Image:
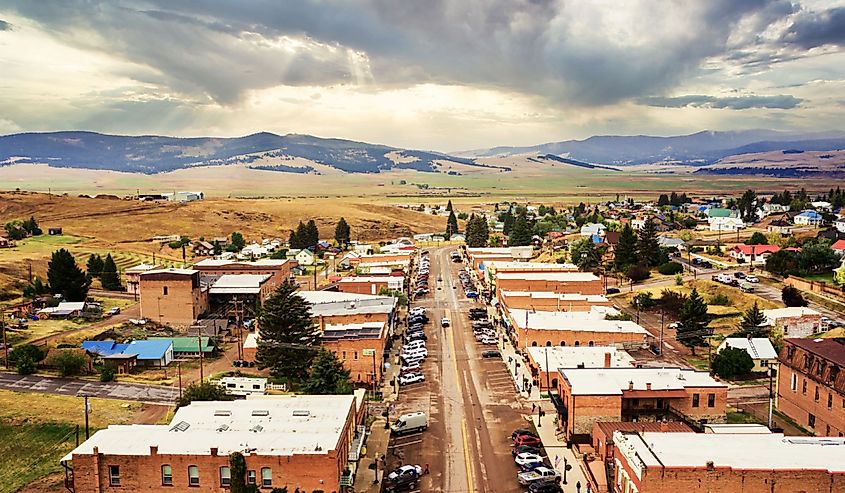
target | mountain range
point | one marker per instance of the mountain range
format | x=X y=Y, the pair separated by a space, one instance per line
x=295 y=153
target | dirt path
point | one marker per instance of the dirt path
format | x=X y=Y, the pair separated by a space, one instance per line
x=133 y=311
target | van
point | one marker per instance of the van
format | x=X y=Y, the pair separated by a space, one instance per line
x=410 y=423
x=415 y=344
x=420 y=352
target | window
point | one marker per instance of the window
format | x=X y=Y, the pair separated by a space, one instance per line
x=164 y=291
x=266 y=477
x=193 y=476
x=711 y=400
x=534 y=343
x=577 y=343
x=166 y=475
x=548 y=343
x=816 y=396
x=563 y=343
x=804 y=387
x=794 y=384
x=355 y=355
x=344 y=355
x=829 y=400
x=590 y=344
x=827 y=430
x=695 y=398
x=811 y=420
x=764 y=363
x=250 y=477
x=114 y=475
x=225 y=476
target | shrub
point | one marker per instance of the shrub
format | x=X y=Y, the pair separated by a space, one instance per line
x=644 y=300
x=792 y=297
x=720 y=300
x=106 y=374
x=670 y=268
x=671 y=301
x=732 y=362
x=679 y=280
x=69 y=363
x=637 y=273
x=25 y=365
x=28 y=352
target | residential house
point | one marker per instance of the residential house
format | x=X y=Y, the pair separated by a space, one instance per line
x=591 y=229
x=253 y=251
x=759 y=348
x=797 y=321
x=65 y=309
x=781 y=226
x=753 y=254
x=302 y=257
x=839 y=247
x=719 y=223
x=203 y=248
x=840 y=225
x=190 y=347
x=154 y=353
x=808 y=218
x=811 y=384
x=671 y=243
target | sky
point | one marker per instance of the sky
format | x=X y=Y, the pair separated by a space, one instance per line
x=445 y=75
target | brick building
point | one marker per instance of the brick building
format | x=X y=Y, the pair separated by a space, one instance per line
x=132 y=277
x=544 y=362
x=479 y=255
x=551 y=302
x=304 y=442
x=795 y=321
x=603 y=431
x=811 y=384
x=588 y=395
x=279 y=270
x=370 y=284
x=174 y=296
x=555 y=282
x=361 y=348
x=735 y=463
x=487 y=269
x=572 y=329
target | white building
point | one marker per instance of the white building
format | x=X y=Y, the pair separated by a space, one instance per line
x=725 y=223
x=840 y=225
x=808 y=218
x=759 y=348
x=797 y=321
x=591 y=229
x=244 y=385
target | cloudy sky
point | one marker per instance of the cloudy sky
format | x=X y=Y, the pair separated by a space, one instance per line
x=434 y=74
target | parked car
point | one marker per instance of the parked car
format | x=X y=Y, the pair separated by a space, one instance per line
x=444 y=322
x=525 y=449
x=544 y=474
x=489 y=340
x=524 y=458
x=612 y=291
x=403 y=478
x=113 y=311
x=409 y=378
x=739 y=275
x=752 y=278
x=410 y=423
x=522 y=431
x=531 y=466
x=527 y=440
x=544 y=487
x=491 y=354
x=414 y=367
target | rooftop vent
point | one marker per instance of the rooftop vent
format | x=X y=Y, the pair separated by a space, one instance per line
x=222 y=412
x=261 y=412
x=301 y=412
x=222 y=428
x=256 y=428
x=180 y=426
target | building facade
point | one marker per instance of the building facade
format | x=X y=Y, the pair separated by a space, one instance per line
x=173 y=296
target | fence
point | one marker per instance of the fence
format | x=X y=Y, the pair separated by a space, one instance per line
x=821 y=288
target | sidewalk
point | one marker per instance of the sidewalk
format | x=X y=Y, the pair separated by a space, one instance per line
x=376 y=447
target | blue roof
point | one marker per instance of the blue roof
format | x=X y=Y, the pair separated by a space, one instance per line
x=149 y=349
x=104 y=348
x=811 y=214
x=596 y=238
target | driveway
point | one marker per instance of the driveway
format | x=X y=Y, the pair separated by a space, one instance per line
x=153 y=394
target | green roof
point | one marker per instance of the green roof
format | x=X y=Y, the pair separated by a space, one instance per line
x=188 y=344
x=719 y=212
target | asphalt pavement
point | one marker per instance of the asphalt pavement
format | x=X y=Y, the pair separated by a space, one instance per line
x=153 y=394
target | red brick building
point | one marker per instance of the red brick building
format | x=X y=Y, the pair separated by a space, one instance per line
x=545 y=362
x=370 y=284
x=173 y=296
x=729 y=463
x=572 y=329
x=811 y=384
x=555 y=282
x=303 y=442
x=551 y=302
x=279 y=270
x=603 y=431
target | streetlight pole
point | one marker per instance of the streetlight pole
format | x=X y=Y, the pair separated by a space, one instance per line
x=771 y=395
x=87 y=411
x=660 y=348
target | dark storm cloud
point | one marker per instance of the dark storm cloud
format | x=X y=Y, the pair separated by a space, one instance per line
x=5 y=26
x=557 y=50
x=781 y=101
x=814 y=29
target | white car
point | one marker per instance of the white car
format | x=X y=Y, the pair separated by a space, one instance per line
x=527 y=458
x=411 y=346
x=752 y=278
x=444 y=322
x=405 y=470
x=415 y=353
x=489 y=340
x=411 y=367
x=419 y=310
x=410 y=378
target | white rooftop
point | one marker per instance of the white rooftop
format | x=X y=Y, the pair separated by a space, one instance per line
x=328 y=303
x=612 y=381
x=789 y=312
x=739 y=428
x=549 y=276
x=369 y=279
x=277 y=425
x=171 y=270
x=218 y=262
x=506 y=266
x=738 y=451
x=756 y=347
x=140 y=268
x=238 y=284
x=573 y=356
x=592 y=321
x=591 y=298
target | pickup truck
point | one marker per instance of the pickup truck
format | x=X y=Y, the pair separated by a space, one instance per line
x=539 y=474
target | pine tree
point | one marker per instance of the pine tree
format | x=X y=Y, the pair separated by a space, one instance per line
x=110 y=279
x=342 y=233
x=31 y=226
x=663 y=200
x=520 y=234
x=507 y=222
x=449 y=205
x=625 y=252
x=694 y=322
x=312 y=234
x=289 y=339
x=299 y=237
x=238 y=241
x=94 y=265
x=66 y=278
x=751 y=322
x=327 y=375
x=451 y=225
x=648 y=248
x=584 y=254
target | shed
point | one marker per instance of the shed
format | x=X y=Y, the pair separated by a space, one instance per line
x=152 y=352
x=189 y=346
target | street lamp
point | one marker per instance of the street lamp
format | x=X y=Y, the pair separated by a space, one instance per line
x=771 y=373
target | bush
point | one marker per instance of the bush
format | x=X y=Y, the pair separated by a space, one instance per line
x=644 y=300
x=732 y=362
x=637 y=273
x=25 y=365
x=203 y=391
x=69 y=363
x=670 y=268
x=28 y=352
x=792 y=297
x=671 y=301
x=106 y=374
x=679 y=280
x=720 y=300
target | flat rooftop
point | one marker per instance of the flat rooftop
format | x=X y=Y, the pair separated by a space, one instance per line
x=279 y=426
x=328 y=303
x=573 y=356
x=587 y=321
x=499 y=265
x=565 y=297
x=265 y=262
x=789 y=312
x=613 y=381
x=238 y=284
x=370 y=279
x=366 y=330
x=737 y=451
x=549 y=276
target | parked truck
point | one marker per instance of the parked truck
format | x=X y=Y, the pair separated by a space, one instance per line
x=410 y=423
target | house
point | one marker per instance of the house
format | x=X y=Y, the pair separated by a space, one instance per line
x=189 y=347
x=735 y=462
x=591 y=229
x=638 y=223
x=65 y=309
x=56 y=231
x=671 y=243
x=822 y=205
x=795 y=321
x=305 y=257
x=840 y=225
x=808 y=218
x=781 y=226
x=6 y=242
x=183 y=196
x=104 y=348
x=720 y=223
x=457 y=237
x=254 y=250
x=839 y=247
x=203 y=249
x=311 y=441
x=403 y=244
x=155 y=353
x=811 y=384
x=132 y=277
x=759 y=348
x=753 y=254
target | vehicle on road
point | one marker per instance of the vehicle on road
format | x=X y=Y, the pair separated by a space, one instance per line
x=403 y=478
x=752 y=278
x=522 y=431
x=114 y=311
x=612 y=291
x=415 y=353
x=471 y=294
x=444 y=322
x=409 y=378
x=527 y=440
x=410 y=423
x=675 y=325
x=492 y=353
x=531 y=466
x=525 y=449
x=489 y=340
x=543 y=473
x=411 y=368
x=409 y=346
x=544 y=487
x=739 y=275
x=746 y=287
x=525 y=458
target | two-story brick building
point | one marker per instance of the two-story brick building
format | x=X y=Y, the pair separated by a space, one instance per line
x=544 y=363
x=551 y=302
x=794 y=321
x=811 y=384
x=590 y=328
x=279 y=270
x=173 y=296
x=555 y=282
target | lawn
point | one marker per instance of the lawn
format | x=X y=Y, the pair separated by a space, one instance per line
x=43 y=328
x=826 y=277
x=737 y=417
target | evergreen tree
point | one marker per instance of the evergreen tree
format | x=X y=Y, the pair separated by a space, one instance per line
x=238 y=241
x=312 y=234
x=751 y=322
x=327 y=375
x=791 y=296
x=66 y=278
x=289 y=339
x=663 y=200
x=31 y=226
x=747 y=205
x=110 y=279
x=694 y=322
x=477 y=232
x=507 y=222
x=648 y=248
x=237 y=473
x=584 y=254
x=299 y=237
x=94 y=265
x=342 y=233
x=625 y=253
x=757 y=238
x=449 y=205
x=451 y=225
x=520 y=234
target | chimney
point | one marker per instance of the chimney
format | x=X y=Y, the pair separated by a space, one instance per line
x=214 y=451
x=664 y=427
x=630 y=385
x=710 y=465
x=607 y=360
x=749 y=337
x=648 y=386
x=153 y=449
x=95 y=451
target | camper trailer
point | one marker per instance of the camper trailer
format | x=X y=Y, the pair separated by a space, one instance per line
x=244 y=386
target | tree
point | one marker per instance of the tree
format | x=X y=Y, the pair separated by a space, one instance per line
x=312 y=235
x=203 y=391
x=237 y=473
x=782 y=263
x=584 y=254
x=237 y=241
x=648 y=249
x=327 y=375
x=838 y=275
x=507 y=219
x=110 y=278
x=520 y=234
x=670 y=268
x=694 y=322
x=66 y=278
x=449 y=206
x=663 y=200
x=15 y=230
x=451 y=225
x=625 y=252
x=342 y=233
x=299 y=237
x=757 y=238
x=747 y=206
x=637 y=272
x=732 y=362
x=24 y=355
x=817 y=257
x=288 y=336
x=401 y=297
x=68 y=362
x=751 y=322
x=94 y=265
x=791 y=296
x=477 y=232
x=31 y=226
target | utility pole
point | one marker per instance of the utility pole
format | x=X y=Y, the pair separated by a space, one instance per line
x=179 y=370
x=660 y=348
x=771 y=394
x=87 y=411
x=199 y=346
x=5 y=345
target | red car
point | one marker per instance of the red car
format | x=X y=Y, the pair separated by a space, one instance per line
x=529 y=440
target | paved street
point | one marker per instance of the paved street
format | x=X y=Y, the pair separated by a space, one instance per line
x=107 y=390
